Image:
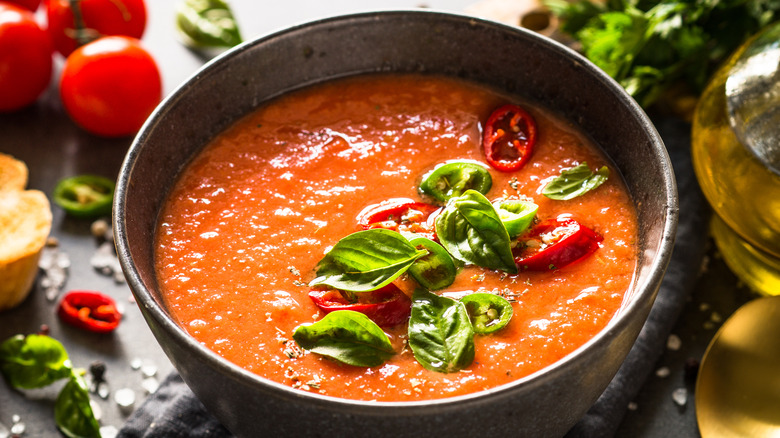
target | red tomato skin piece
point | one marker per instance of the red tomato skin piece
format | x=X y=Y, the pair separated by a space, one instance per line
x=103 y=17
x=578 y=243
x=25 y=58
x=494 y=137
x=387 y=306
x=110 y=86
x=30 y=5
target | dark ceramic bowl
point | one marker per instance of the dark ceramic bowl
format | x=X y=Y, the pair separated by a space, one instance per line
x=518 y=62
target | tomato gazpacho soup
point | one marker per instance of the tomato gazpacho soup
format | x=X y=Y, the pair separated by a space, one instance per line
x=396 y=238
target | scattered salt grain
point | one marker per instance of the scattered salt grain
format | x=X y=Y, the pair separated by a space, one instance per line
x=703 y=307
x=150 y=385
x=149 y=370
x=663 y=372
x=96 y=411
x=125 y=399
x=632 y=406
x=716 y=318
x=103 y=390
x=708 y=325
x=136 y=363
x=680 y=396
x=18 y=428
x=16 y=419
x=673 y=342
x=54 y=265
x=108 y=432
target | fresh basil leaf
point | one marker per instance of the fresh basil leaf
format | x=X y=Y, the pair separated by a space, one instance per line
x=207 y=23
x=470 y=229
x=33 y=361
x=440 y=333
x=516 y=215
x=347 y=336
x=435 y=270
x=575 y=182
x=488 y=312
x=452 y=179
x=72 y=411
x=366 y=260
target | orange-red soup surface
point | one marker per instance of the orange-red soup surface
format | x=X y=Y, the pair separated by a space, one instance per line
x=252 y=214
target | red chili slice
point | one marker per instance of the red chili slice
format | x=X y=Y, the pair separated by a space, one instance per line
x=400 y=214
x=555 y=243
x=387 y=306
x=88 y=310
x=509 y=138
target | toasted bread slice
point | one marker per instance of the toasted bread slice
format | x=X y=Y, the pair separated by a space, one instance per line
x=25 y=222
x=13 y=173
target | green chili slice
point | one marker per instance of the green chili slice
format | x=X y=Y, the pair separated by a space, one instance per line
x=516 y=215
x=207 y=23
x=453 y=179
x=85 y=196
x=433 y=271
x=488 y=312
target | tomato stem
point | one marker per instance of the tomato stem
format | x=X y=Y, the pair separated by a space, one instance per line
x=81 y=34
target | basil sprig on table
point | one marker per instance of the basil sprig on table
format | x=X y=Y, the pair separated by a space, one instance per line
x=36 y=361
x=440 y=333
x=366 y=260
x=207 y=23
x=346 y=336
x=471 y=230
x=575 y=182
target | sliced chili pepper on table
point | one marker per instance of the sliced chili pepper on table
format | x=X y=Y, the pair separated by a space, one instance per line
x=85 y=196
x=509 y=138
x=89 y=310
x=400 y=214
x=555 y=243
x=387 y=306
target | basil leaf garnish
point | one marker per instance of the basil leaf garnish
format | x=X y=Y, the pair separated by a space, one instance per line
x=207 y=23
x=516 y=215
x=72 y=411
x=347 y=336
x=440 y=333
x=574 y=182
x=33 y=361
x=470 y=229
x=366 y=260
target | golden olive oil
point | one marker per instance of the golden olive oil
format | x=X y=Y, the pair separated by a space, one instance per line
x=744 y=193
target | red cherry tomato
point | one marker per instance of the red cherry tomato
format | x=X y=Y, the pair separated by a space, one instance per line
x=110 y=86
x=387 y=306
x=555 y=243
x=400 y=214
x=101 y=17
x=509 y=138
x=30 y=5
x=25 y=58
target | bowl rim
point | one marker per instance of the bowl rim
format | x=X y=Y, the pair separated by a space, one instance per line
x=645 y=290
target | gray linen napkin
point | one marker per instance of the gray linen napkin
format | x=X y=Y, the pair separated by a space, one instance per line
x=175 y=411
